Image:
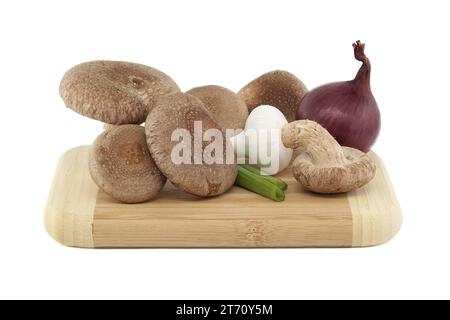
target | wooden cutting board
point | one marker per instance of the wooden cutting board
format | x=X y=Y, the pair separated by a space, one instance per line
x=79 y=215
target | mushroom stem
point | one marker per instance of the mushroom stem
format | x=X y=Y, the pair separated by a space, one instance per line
x=314 y=140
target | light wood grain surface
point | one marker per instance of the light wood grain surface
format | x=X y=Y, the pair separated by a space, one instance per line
x=71 y=201
x=78 y=214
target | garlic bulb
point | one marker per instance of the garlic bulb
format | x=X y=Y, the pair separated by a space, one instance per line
x=260 y=143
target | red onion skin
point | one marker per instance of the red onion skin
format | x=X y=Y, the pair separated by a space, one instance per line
x=346 y=109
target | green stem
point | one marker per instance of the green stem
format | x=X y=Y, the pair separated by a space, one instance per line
x=256 y=183
x=278 y=182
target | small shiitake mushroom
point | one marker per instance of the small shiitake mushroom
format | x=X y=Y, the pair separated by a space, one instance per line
x=114 y=92
x=279 y=89
x=324 y=166
x=180 y=111
x=120 y=164
x=226 y=107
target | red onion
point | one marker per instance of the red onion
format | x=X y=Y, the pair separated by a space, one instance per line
x=346 y=109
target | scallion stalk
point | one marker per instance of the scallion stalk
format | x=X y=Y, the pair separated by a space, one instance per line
x=258 y=184
x=278 y=182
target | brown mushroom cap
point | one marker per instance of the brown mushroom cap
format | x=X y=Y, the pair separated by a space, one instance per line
x=357 y=171
x=324 y=166
x=120 y=164
x=226 y=107
x=114 y=92
x=279 y=89
x=180 y=111
x=108 y=126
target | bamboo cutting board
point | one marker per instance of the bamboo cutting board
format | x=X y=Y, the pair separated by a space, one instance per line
x=79 y=215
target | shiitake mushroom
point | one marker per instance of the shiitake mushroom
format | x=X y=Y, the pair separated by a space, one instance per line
x=225 y=106
x=121 y=165
x=114 y=92
x=180 y=111
x=279 y=89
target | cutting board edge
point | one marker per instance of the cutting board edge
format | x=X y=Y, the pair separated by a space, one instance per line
x=66 y=219
x=373 y=226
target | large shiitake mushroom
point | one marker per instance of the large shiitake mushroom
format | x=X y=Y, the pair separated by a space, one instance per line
x=226 y=107
x=180 y=111
x=114 y=92
x=279 y=89
x=120 y=164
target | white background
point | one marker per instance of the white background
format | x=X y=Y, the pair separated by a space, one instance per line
x=227 y=43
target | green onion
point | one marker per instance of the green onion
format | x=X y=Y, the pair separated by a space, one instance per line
x=278 y=182
x=258 y=184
